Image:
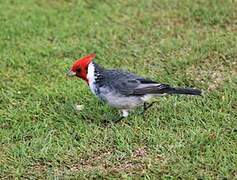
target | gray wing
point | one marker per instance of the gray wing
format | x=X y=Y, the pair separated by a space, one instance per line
x=130 y=84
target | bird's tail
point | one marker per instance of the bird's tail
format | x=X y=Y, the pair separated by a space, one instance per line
x=187 y=91
x=166 y=89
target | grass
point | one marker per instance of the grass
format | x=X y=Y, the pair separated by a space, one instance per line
x=183 y=43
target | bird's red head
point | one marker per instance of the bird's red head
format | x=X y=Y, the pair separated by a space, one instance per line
x=80 y=66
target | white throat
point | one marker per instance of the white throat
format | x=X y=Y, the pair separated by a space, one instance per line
x=91 y=76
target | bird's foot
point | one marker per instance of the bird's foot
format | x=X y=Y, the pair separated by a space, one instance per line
x=118 y=119
x=125 y=113
x=146 y=106
x=107 y=122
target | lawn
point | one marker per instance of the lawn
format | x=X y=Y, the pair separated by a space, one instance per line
x=179 y=42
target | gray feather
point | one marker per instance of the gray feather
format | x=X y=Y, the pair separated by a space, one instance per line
x=128 y=84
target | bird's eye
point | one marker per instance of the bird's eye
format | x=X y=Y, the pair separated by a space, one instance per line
x=78 y=70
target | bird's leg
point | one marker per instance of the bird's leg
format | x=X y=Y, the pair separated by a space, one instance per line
x=124 y=115
x=118 y=119
x=146 y=106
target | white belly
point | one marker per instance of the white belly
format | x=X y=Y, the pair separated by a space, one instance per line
x=123 y=102
x=118 y=100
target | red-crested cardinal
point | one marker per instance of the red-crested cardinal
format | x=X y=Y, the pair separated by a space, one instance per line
x=120 y=89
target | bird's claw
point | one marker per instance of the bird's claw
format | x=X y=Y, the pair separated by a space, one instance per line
x=108 y=123
x=146 y=107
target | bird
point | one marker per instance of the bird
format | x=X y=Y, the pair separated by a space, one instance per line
x=121 y=89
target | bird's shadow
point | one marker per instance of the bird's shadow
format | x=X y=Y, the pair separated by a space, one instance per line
x=100 y=114
x=93 y=113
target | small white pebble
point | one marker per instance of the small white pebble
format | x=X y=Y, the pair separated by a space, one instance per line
x=79 y=107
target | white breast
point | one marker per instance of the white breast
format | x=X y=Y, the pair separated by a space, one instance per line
x=91 y=77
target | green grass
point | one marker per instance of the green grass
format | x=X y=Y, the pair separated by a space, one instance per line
x=183 y=43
